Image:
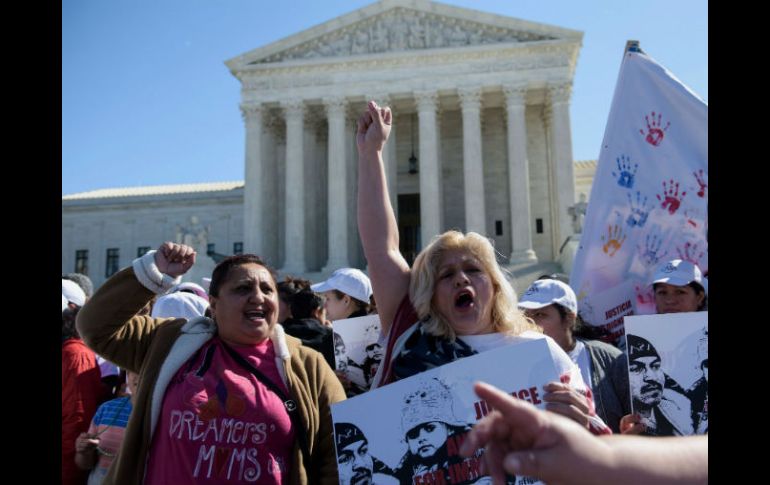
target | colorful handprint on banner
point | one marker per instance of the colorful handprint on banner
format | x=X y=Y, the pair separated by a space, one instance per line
x=654 y=133
x=671 y=198
x=626 y=172
x=639 y=210
x=614 y=239
x=701 y=179
x=691 y=252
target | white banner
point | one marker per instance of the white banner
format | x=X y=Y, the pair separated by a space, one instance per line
x=649 y=200
x=409 y=432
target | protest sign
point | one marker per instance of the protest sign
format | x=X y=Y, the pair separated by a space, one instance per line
x=411 y=430
x=668 y=371
x=357 y=351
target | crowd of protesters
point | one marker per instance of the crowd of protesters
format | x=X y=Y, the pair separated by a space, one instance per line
x=147 y=358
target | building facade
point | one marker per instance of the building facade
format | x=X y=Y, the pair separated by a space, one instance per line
x=480 y=142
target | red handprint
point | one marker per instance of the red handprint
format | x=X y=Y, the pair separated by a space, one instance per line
x=689 y=252
x=654 y=134
x=644 y=295
x=701 y=179
x=672 y=200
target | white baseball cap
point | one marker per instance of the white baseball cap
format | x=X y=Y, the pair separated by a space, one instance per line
x=179 y=305
x=350 y=281
x=190 y=287
x=73 y=292
x=678 y=272
x=547 y=292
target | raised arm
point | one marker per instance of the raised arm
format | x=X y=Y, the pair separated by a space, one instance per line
x=108 y=322
x=388 y=270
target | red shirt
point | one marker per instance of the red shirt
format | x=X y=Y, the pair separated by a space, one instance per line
x=81 y=393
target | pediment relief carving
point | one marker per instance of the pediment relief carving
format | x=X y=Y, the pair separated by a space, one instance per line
x=400 y=30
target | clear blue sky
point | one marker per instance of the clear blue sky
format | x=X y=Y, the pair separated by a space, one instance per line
x=147 y=99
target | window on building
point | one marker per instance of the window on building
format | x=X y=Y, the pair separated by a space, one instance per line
x=113 y=261
x=498 y=228
x=210 y=248
x=539 y=226
x=81 y=261
x=238 y=248
x=141 y=251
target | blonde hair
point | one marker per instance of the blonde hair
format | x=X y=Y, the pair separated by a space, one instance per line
x=506 y=316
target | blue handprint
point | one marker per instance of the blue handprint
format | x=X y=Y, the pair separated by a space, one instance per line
x=626 y=177
x=639 y=211
x=649 y=254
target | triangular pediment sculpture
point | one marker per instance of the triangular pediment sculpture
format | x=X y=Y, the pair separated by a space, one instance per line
x=392 y=26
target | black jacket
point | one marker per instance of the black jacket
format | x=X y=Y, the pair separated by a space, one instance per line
x=312 y=334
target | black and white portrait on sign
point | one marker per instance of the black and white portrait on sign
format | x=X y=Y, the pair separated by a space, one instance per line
x=668 y=372
x=410 y=432
x=357 y=351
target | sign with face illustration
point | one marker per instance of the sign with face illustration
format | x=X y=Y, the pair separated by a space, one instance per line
x=357 y=351
x=410 y=431
x=668 y=372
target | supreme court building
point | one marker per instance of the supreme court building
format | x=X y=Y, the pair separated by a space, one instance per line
x=480 y=142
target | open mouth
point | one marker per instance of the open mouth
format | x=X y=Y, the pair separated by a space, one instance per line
x=256 y=315
x=464 y=299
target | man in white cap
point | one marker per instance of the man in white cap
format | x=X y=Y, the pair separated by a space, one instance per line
x=552 y=305
x=347 y=294
x=679 y=286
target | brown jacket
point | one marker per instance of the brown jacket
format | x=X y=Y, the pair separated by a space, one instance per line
x=157 y=348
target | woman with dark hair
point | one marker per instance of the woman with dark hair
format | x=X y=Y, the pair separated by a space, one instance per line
x=679 y=286
x=229 y=398
x=347 y=294
x=287 y=288
x=553 y=306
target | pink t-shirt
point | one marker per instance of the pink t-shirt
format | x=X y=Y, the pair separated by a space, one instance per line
x=220 y=424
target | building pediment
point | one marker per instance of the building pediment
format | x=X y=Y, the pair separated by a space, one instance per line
x=391 y=26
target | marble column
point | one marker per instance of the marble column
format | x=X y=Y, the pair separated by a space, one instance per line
x=473 y=166
x=430 y=173
x=518 y=176
x=564 y=171
x=337 y=195
x=253 y=210
x=294 y=242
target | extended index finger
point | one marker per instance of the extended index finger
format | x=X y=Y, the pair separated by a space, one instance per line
x=520 y=415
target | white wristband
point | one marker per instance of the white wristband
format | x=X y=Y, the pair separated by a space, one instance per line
x=149 y=275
